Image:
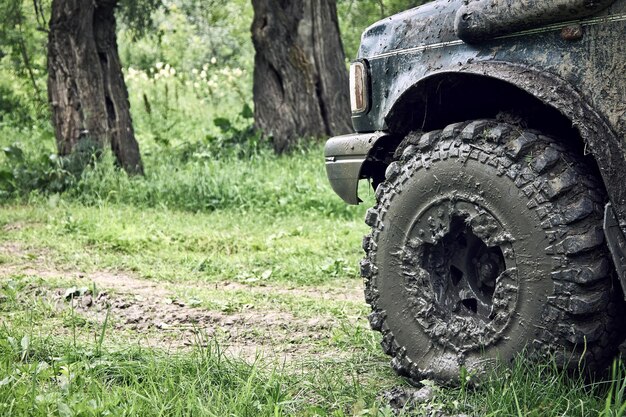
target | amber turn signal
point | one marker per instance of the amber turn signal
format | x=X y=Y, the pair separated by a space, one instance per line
x=358 y=87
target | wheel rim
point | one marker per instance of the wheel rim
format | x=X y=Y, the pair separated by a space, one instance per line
x=461 y=272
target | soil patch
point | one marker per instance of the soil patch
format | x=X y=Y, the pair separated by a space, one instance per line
x=148 y=313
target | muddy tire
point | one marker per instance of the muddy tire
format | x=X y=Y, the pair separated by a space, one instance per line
x=486 y=241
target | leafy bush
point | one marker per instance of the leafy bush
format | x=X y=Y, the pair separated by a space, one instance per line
x=236 y=138
x=24 y=172
x=10 y=105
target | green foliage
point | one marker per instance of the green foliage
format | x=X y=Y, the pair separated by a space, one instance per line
x=11 y=104
x=229 y=167
x=237 y=138
x=22 y=61
x=24 y=172
x=137 y=15
x=175 y=107
x=187 y=34
x=615 y=401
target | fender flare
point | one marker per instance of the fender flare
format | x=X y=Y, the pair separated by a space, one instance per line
x=600 y=140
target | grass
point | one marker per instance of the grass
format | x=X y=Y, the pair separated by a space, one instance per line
x=41 y=374
x=75 y=381
x=252 y=250
x=180 y=246
x=243 y=238
x=97 y=372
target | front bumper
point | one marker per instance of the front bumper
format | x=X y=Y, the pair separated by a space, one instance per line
x=345 y=156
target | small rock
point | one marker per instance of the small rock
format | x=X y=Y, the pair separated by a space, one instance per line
x=397 y=397
x=133 y=319
x=404 y=397
x=423 y=394
x=71 y=293
x=87 y=301
x=314 y=322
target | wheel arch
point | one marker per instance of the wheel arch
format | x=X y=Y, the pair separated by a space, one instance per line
x=536 y=99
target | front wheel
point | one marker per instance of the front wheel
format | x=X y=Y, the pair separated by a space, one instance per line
x=486 y=241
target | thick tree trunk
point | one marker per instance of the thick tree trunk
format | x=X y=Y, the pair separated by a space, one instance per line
x=85 y=84
x=300 y=78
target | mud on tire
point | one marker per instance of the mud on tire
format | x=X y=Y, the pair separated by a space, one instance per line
x=486 y=240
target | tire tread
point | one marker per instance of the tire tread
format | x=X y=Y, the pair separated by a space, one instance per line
x=559 y=190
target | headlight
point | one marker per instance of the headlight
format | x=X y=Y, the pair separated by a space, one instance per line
x=358 y=87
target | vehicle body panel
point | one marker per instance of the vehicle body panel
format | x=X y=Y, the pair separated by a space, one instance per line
x=484 y=19
x=576 y=67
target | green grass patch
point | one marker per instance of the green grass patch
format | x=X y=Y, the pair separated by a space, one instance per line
x=253 y=248
x=44 y=375
x=257 y=235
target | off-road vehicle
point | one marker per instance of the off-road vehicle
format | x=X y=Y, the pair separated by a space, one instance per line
x=493 y=133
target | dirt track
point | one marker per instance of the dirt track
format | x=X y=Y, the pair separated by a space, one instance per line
x=148 y=313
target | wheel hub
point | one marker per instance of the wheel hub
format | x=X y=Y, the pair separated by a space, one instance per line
x=463 y=270
x=462 y=278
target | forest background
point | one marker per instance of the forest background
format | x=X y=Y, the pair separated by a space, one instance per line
x=222 y=281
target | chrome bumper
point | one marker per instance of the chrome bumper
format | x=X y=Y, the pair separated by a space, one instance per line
x=345 y=156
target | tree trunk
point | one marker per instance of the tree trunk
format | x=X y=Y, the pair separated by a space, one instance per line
x=300 y=78
x=85 y=83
